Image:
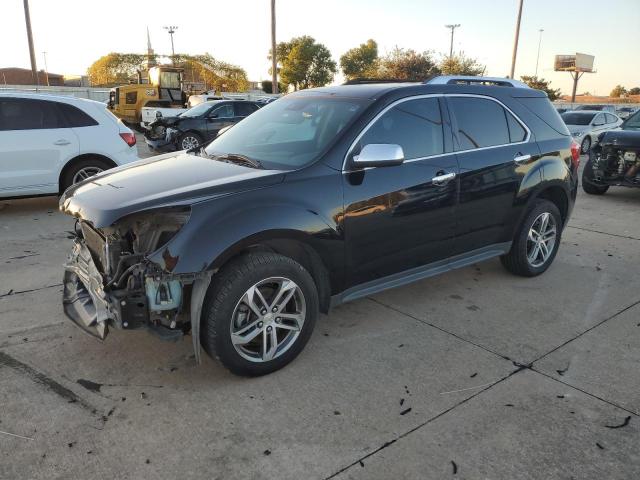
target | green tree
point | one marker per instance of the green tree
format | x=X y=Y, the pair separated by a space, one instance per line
x=116 y=68
x=461 y=65
x=634 y=91
x=618 y=91
x=360 y=62
x=408 y=65
x=304 y=63
x=542 y=84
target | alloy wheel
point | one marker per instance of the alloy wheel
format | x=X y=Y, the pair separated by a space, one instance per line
x=190 y=142
x=268 y=319
x=85 y=173
x=541 y=239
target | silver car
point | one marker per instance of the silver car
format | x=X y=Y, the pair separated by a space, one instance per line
x=586 y=125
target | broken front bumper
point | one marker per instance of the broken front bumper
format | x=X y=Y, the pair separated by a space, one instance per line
x=84 y=300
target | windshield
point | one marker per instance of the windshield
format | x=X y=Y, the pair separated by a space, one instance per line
x=633 y=122
x=198 y=110
x=573 y=118
x=589 y=107
x=290 y=132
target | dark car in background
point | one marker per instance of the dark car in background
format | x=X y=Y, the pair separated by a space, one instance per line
x=198 y=125
x=615 y=160
x=324 y=196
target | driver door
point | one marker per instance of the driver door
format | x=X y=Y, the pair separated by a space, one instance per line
x=401 y=217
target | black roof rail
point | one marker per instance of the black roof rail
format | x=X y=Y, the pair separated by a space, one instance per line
x=365 y=81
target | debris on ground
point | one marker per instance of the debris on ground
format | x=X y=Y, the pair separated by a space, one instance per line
x=404 y=412
x=623 y=424
x=455 y=467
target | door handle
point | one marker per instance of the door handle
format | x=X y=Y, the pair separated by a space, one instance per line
x=443 y=179
x=519 y=159
x=62 y=141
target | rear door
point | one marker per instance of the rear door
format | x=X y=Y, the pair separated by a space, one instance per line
x=495 y=153
x=218 y=118
x=35 y=144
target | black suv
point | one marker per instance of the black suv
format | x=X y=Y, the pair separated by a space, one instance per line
x=198 y=125
x=322 y=197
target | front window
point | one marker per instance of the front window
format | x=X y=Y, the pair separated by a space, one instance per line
x=573 y=118
x=291 y=132
x=633 y=122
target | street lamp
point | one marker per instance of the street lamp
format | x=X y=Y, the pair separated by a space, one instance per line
x=452 y=27
x=539 y=43
x=171 y=29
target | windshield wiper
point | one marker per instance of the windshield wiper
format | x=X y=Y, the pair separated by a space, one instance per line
x=239 y=160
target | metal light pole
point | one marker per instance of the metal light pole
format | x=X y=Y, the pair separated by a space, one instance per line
x=515 y=41
x=274 y=61
x=172 y=29
x=46 y=69
x=452 y=27
x=538 y=57
x=32 y=54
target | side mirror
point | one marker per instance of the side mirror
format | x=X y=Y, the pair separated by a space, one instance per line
x=379 y=155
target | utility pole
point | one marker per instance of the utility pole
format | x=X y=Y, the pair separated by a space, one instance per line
x=274 y=61
x=515 y=41
x=452 y=27
x=576 y=76
x=538 y=57
x=32 y=54
x=46 y=69
x=172 y=29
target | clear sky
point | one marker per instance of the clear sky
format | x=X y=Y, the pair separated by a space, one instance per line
x=74 y=33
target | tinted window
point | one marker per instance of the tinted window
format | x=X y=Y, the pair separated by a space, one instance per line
x=27 y=114
x=541 y=107
x=481 y=123
x=633 y=122
x=575 y=118
x=415 y=125
x=517 y=133
x=75 y=117
x=225 y=111
x=244 y=109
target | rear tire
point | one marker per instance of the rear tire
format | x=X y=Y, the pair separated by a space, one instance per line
x=522 y=259
x=81 y=170
x=238 y=327
x=589 y=184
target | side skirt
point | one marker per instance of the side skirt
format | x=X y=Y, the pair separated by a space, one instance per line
x=420 y=273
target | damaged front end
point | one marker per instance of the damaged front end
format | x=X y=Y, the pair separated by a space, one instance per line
x=616 y=159
x=162 y=135
x=109 y=280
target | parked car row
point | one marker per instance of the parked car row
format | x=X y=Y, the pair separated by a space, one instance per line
x=585 y=125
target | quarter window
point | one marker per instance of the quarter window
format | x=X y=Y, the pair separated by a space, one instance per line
x=415 y=125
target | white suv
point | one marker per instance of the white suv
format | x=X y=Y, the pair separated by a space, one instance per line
x=50 y=142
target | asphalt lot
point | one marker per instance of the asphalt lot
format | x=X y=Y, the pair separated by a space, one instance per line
x=476 y=374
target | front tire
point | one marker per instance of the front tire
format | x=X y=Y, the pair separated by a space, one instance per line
x=189 y=140
x=589 y=184
x=259 y=313
x=537 y=241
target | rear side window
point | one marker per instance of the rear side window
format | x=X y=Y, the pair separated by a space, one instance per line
x=541 y=107
x=76 y=117
x=481 y=122
x=610 y=118
x=415 y=125
x=29 y=114
x=244 y=109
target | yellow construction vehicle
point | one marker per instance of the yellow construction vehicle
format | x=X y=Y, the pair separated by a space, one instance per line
x=162 y=88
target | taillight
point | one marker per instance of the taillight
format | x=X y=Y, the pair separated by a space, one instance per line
x=575 y=155
x=129 y=138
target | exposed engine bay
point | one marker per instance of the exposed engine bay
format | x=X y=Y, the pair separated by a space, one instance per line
x=109 y=280
x=616 y=159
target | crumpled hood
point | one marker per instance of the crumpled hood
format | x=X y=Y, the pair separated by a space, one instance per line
x=170 y=179
x=167 y=121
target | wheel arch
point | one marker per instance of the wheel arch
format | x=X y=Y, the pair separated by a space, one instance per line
x=80 y=158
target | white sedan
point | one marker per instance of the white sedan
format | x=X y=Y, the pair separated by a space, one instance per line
x=586 y=125
x=48 y=143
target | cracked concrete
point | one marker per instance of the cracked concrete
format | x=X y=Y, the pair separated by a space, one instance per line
x=474 y=374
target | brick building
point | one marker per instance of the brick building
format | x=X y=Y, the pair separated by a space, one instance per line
x=22 y=76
